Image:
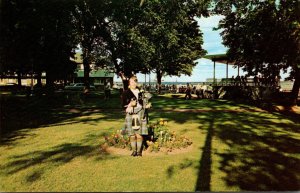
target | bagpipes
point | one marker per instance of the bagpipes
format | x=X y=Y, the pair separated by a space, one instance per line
x=146 y=96
x=140 y=116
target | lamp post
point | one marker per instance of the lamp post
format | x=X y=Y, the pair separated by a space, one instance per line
x=149 y=81
x=31 y=84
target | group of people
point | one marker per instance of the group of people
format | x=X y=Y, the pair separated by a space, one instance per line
x=135 y=104
x=202 y=91
x=257 y=81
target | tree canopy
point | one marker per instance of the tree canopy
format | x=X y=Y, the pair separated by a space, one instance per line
x=262 y=36
x=129 y=36
x=37 y=36
x=146 y=36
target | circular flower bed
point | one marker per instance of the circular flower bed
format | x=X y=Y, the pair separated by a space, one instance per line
x=160 y=139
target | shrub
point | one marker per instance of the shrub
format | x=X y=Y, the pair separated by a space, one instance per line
x=163 y=139
x=117 y=140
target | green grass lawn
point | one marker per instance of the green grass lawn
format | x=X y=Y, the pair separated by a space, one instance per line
x=53 y=144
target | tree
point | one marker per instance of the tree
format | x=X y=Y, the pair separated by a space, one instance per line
x=123 y=49
x=159 y=36
x=58 y=39
x=172 y=32
x=37 y=36
x=262 y=36
x=18 y=40
x=129 y=36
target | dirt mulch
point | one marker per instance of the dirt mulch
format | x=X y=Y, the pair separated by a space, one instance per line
x=162 y=152
x=290 y=109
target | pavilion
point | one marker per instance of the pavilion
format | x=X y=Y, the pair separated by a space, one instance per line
x=221 y=58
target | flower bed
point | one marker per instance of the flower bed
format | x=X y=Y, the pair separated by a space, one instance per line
x=162 y=139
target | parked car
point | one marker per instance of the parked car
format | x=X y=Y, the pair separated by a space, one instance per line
x=78 y=86
x=13 y=87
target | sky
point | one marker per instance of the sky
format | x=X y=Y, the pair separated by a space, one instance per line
x=204 y=68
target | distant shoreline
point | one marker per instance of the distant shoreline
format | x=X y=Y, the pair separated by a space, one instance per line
x=154 y=82
x=285 y=85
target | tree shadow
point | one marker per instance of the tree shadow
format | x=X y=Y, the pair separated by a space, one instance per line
x=184 y=117
x=204 y=175
x=49 y=159
x=262 y=153
x=173 y=169
x=163 y=102
x=258 y=151
x=20 y=114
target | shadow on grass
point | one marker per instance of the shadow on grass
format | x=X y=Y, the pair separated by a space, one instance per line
x=162 y=102
x=257 y=151
x=49 y=159
x=20 y=114
x=204 y=175
x=262 y=154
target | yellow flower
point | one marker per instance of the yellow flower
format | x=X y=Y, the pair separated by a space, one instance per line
x=161 y=123
x=161 y=119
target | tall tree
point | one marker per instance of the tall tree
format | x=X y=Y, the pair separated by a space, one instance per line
x=37 y=36
x=262 y=36
x=90 y=17
x=159 y=36
x=58 y=39
x=175 y=35
x=18 y=37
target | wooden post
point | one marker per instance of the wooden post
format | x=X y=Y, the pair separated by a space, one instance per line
x=149 y=81
x=214 y=72
x=226 y=72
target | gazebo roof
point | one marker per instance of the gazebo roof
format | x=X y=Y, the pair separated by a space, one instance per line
x=220 y=58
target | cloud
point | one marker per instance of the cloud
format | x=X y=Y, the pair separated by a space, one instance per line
x=209 y=22
x=212 y=39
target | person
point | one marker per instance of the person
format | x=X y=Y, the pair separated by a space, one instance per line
x=238 y=80
x=243 y=81
x=255 y=80
x=188 y=91
x=107 y=90
x=135 y=120
x=199 y=91
x=232 y=81
x=260 y=80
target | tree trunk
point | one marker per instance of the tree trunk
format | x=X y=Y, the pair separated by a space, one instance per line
x=19 y=79
x=39 y=79
x=295 y=90
x=86 y=68
x=49 y=83
x=158 y=77
x=49 y=79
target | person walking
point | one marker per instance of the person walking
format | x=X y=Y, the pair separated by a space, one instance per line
x=188 y=91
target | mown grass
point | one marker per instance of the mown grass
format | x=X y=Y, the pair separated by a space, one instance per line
x=55 y=146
